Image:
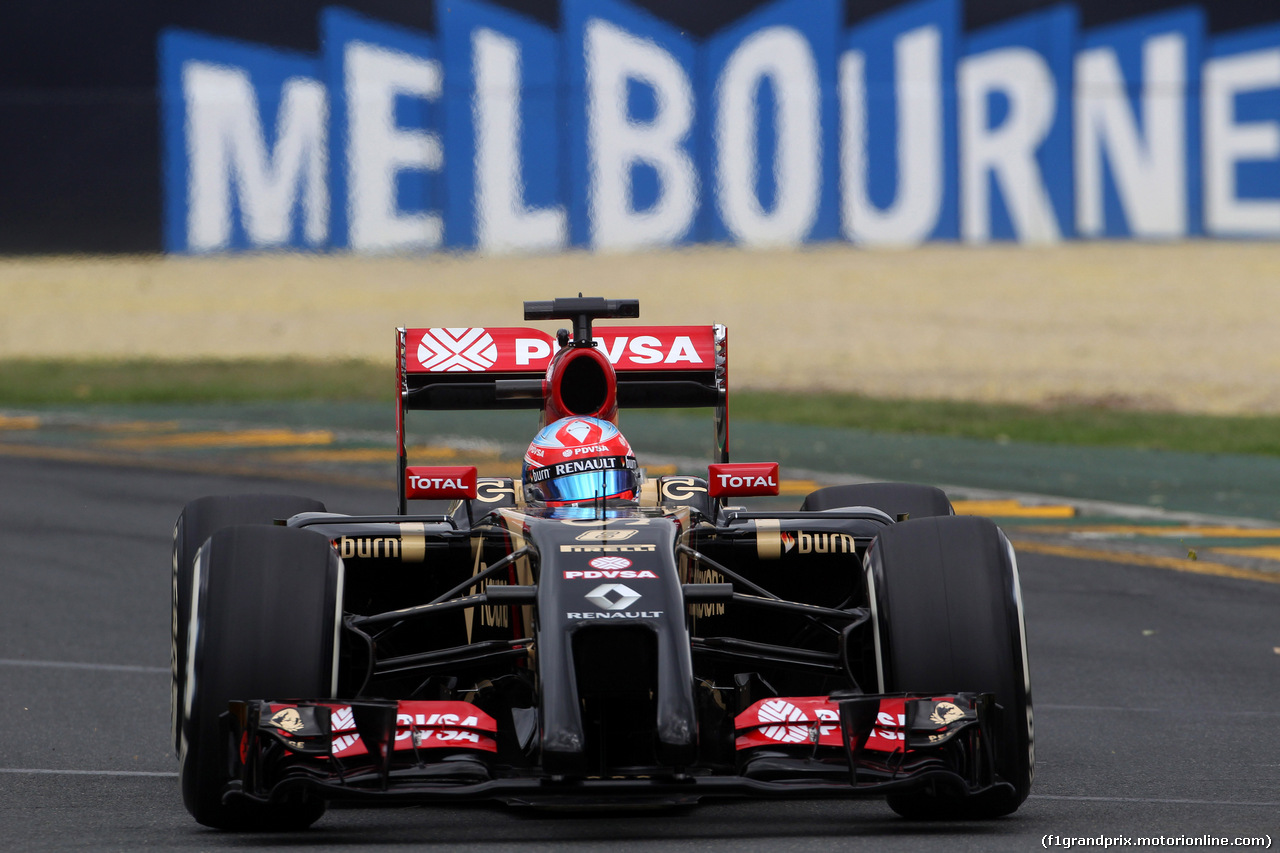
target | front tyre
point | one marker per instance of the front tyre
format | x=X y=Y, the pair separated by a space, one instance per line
x=947 y=612
x=199 y=520
x=267 y=608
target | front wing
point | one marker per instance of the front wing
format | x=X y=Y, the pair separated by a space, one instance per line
x=846 y=744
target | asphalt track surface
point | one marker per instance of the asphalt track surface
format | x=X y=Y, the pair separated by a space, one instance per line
x=1157 y=703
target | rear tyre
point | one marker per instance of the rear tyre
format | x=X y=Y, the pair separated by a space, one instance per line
x=267 y=606
x=199 y=520
x=947 y=614
x=893 y=498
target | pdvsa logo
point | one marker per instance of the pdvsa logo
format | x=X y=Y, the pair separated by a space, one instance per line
x=798 y=721
x=344 y=719
x=791 y=723
x=610 y=563
x=453 y=350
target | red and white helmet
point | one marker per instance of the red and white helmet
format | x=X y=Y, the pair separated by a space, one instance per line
x=578 y=460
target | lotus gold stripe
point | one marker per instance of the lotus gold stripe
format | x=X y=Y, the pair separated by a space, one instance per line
x=768 y=539
x=413 y=541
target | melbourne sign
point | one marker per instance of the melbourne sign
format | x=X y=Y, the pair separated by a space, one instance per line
x=616 y=131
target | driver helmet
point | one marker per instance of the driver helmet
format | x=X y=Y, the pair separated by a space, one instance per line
x=578 y=460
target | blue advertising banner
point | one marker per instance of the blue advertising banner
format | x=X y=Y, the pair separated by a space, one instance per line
x=386 y=155
x=1241 y=155
x=1014 y=89
x=614 y=129
x=1137 y=133
x=769 y=120
x=245 y=145
x=503 y=130
x=630 y=115
x=898 y=132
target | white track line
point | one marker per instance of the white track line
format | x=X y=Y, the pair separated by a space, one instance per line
x=40 y=772
x=1160 y=800
x=1045 y=706
x=105 y=667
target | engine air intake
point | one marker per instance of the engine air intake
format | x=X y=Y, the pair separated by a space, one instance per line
x=582 y=383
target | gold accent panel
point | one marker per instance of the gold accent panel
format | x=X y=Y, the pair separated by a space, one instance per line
x=413 y=541
x=768 y=538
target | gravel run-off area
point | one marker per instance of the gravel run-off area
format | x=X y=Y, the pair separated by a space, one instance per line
x=1190 y=326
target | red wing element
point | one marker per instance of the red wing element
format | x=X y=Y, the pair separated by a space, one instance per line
x=419 y=725
x=519 y=350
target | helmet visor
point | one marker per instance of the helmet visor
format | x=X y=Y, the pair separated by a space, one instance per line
x=587 y=486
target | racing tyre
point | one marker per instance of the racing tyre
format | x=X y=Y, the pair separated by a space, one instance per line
x=199 y=520
x=893 y=498
x=268 y=606
x=947 y=613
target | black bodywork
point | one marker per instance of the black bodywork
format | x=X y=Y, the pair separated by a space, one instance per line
x=593 y=703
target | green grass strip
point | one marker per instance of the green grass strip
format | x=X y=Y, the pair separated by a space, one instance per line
x=50 y=382
x=1098 y=426
x=26 y=382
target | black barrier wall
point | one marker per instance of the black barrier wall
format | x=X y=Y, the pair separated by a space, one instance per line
x=97 y=152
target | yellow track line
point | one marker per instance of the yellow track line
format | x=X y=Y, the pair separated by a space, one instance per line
x=1167 y=531
x=796 y=487
x=136 y=426
x=233 y=438
x=191 y=466
x=1177 y=564
x=1013 y=509
x=417 y=455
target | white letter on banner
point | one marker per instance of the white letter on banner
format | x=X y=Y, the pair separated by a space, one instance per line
x=1150 y=177
x=503 y=223
x=225 y=145
x=378 y=150
x=616 y=143
x=784 y=56
x=1009 y=151
x=529 y=350
x=1227 y=143
x=914 y=212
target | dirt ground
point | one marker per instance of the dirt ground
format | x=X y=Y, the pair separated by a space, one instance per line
x=1192 y=326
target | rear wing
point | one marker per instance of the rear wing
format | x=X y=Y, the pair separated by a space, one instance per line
x=506 y=368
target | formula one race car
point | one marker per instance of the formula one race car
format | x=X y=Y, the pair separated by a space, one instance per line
x=583 y=635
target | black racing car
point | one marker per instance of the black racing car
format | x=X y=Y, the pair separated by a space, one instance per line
x=655 y=647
